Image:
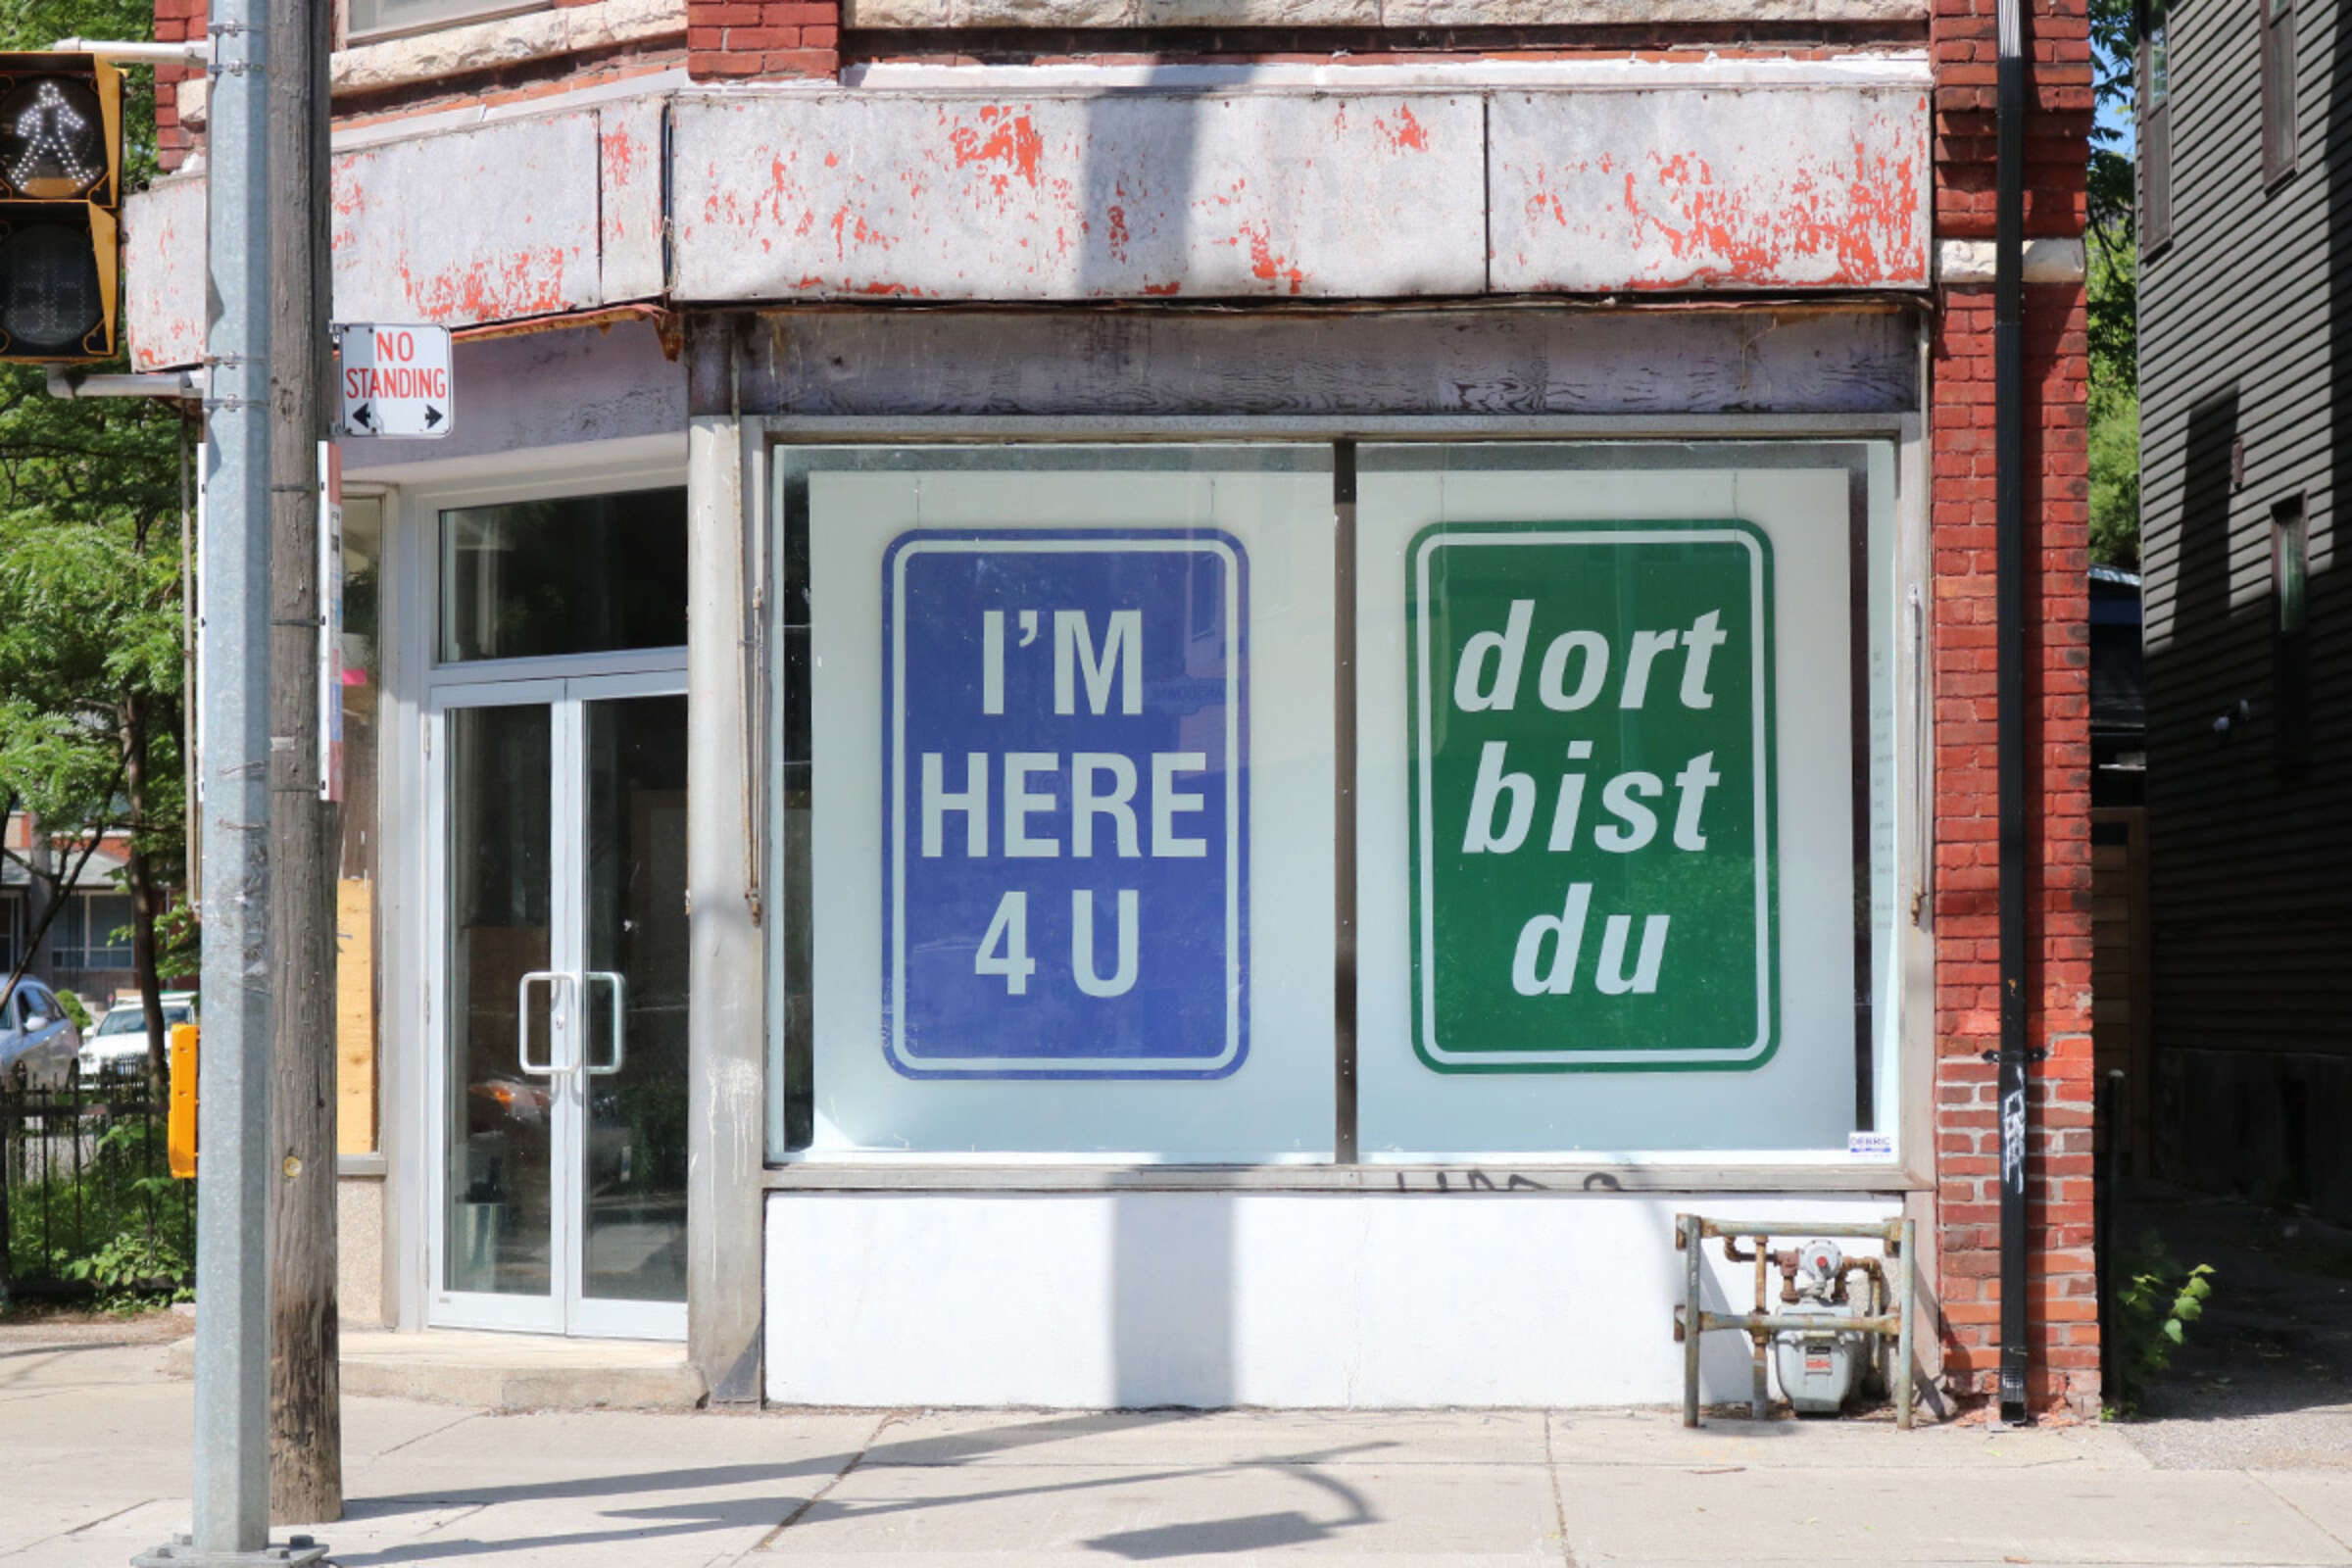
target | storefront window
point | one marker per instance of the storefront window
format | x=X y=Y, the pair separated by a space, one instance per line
x=1057 y=738
x=581 y=574
x=1619 y=889
x=1056 y=750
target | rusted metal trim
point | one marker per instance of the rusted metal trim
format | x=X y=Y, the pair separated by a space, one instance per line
x=1854 y=301
x=670 y=324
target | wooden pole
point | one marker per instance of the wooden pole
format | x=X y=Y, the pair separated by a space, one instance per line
x=306 y=1449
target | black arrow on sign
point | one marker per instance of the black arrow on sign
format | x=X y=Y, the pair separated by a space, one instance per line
x=361 y=417
x=433 y=415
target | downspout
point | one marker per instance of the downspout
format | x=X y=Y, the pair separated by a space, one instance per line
x=2009 y=509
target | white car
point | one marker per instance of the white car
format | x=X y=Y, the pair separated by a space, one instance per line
x=117 y=1046
x=36 y=1038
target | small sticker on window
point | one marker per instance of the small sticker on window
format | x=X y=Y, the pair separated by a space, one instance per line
x=1876 y=1146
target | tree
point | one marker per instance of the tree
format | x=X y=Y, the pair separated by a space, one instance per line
x=92 y=631
x=2113 y=306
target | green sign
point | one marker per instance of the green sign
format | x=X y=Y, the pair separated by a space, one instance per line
x=1591 y=755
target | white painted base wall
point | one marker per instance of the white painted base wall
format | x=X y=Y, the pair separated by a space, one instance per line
x=1207 y=1299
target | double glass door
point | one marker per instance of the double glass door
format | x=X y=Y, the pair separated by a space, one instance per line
x=560 y=1006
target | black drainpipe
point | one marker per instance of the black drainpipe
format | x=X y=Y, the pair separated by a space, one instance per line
x=2009 y=505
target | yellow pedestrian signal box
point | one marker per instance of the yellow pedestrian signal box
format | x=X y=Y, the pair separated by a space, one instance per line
x=61 y=191
x=180 y=1122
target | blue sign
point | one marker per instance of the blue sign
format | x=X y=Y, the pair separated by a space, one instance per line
x=1065 y=736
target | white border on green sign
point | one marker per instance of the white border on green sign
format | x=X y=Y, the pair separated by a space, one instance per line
x=1426 y=912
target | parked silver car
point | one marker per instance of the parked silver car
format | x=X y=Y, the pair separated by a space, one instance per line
x=36 y=1038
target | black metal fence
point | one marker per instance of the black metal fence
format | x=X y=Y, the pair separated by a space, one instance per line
x=89 y=1210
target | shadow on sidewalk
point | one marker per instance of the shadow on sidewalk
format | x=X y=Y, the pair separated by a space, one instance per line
x=816 y=1505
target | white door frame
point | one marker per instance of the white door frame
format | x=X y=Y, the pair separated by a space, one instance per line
x=419 y=690
x=586 y=1316
x=447 y=1308
x=565 y=1310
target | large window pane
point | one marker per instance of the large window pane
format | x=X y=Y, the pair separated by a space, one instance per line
x=584 y=575
x=378 y=19
x=357 y=999
x=1054 y=802
x=500 y=902
x=1625 y=852
x=108 y=922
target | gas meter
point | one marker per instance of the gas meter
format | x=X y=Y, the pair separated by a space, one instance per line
x=1818 y=1367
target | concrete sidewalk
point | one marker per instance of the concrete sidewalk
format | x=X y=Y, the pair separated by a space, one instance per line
x=94 y=1466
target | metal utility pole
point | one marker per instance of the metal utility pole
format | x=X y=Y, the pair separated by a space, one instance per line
x=231 y=1460
x=231 y=1503
x=306 y=1454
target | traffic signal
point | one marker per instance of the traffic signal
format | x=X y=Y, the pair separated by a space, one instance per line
x=61 y=187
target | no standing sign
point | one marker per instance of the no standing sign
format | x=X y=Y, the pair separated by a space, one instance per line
x=394 y=380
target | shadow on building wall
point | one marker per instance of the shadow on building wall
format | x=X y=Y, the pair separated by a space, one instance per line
x=1172 y=1289
x=2251 y=836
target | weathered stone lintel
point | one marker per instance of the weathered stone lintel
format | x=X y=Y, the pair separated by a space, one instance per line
x=921 y=13
x=454 y=52
x=2047 y=260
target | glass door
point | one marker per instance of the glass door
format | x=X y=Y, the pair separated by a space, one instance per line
x=563 y=1058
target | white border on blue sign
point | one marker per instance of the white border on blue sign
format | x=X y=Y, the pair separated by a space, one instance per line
x=1097 y=1067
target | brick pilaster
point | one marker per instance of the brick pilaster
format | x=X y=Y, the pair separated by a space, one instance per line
x=174 y=20
x=2062 y=1323
x=733 y=38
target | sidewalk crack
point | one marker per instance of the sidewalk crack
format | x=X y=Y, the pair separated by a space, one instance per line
x=422 y=1436
x=1560 y=1505
x=889 y=1420
x=2298 y=1511
x=26 y=1548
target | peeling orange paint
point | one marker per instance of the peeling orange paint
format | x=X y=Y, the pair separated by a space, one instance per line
x=524 y=282
x=1265 y=265
x=1861 y=220
x=849 y=224
x=1011 y=141
x=1406 y=135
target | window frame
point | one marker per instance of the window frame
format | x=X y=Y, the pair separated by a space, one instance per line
x=2291 y=638
x=426 y=15
x=2280 y=131
x=1901 y=1065
x=89 y=933
x=2154 y=92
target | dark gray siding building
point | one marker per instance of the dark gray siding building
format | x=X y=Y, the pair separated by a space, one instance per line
x=2246 y=434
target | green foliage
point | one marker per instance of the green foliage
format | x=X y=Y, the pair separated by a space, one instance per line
x=2114 y=413
x=2157 y=1304
x=75 y=1009
x=119 y=1222
x=2112 y=307
x=134 y=1269
x=89 y=554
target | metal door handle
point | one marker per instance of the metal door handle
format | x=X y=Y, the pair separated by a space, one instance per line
x=523 y=1019
x=619 y=1033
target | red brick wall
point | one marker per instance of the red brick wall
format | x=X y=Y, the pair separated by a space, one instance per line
x=175 y=20
x=763 y=38
x=2062 y=1323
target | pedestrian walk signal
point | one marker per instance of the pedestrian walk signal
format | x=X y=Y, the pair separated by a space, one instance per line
x=61 y=188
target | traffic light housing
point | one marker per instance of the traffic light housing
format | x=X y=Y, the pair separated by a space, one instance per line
x=61 y=191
